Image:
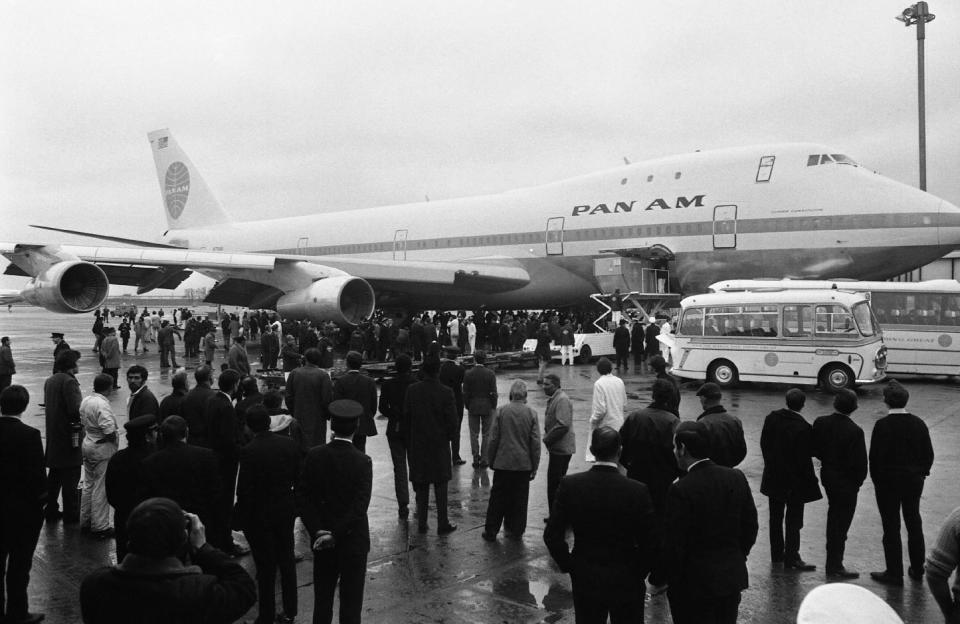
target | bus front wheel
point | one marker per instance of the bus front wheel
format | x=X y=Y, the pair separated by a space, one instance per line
x=585 y=353
x=836 y=377
x=723 y=373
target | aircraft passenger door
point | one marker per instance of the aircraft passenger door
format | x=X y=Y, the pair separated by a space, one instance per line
x=724 y=227
x=555 y=236
x=302 y=244
x=400 y=245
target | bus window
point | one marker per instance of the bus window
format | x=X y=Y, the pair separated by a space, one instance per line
x=797 y=320
x=835 y=321
x=861 y=312
x=692 y=324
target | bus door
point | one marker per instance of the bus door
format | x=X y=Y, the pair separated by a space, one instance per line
x=400 y=245
x=725 y=227
x=555 y=236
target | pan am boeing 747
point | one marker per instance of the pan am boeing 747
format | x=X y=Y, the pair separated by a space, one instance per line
x=785 y=210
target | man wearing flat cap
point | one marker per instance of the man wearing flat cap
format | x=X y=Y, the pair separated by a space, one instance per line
x=153 y=583
x=727 y=444
x=62 y=398
x=60 y=345
x=124 y=479
x=332 y=497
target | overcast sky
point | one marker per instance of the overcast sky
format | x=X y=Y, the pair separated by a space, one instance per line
x=304 y=107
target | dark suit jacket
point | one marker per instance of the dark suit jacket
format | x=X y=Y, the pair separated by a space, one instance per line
x=61 y=396
x=172 y=404
x=612 y=521
x=334 y=494
x=144 y=402
x=430 y=412
x=900 y=447
x=308 y=393
x=647 y=436
x=839 y=443
x=451 y=375
x=223 y=429
x=269 y=469
x=727 y=444
x=710 y=528
x=194 y=409
x=124 y=480
x=480 y=390
x=787 y=446
x=185 y=473
x=362 y=389
x=393 y=393
x=23 y=489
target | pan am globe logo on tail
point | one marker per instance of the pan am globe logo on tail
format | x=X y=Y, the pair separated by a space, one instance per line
x=176 y=187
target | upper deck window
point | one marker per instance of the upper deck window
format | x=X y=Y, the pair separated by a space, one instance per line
x=821 y=159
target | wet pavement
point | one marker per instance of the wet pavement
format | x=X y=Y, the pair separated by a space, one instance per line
x=459 y=578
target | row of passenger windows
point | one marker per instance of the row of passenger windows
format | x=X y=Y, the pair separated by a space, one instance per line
x=916 y=309
x=768 y=321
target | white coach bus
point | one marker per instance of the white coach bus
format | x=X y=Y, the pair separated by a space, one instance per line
x=920 y=320
x=826 y=337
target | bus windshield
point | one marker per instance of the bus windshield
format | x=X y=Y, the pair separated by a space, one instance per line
x=861 y=312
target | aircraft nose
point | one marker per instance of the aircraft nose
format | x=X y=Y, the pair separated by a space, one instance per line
x=948 y=230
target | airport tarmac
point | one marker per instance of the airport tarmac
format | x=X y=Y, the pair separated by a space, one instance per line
x=459 y=578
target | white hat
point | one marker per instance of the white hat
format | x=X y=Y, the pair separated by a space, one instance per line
x=846 y=603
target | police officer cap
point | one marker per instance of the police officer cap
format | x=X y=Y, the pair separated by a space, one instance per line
x=141 y=423
x=56 y=335
x=710 y=390
x=347 y=409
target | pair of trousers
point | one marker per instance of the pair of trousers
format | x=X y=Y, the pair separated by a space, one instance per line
x=5 y=380
x=168 y=350
x=398 y=453
x=508 y=502
x=455 y=443
x=693 y=607
x=479 y=435
x=623 y=358
x=901 y=493
x=785 y=549
x=543 y=362
x=18 y=540
x=94 y=508
x=566 y=354
x=556 y=469
x=271 y=545
x=841 y=505
x=591 y=610
x=65 y=478
x=219 y=534
x=422 y=491
x=349 y=569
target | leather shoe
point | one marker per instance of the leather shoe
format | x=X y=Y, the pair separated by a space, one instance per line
x=476 y=464
x=887 y=578
x=913 y=573
x=842 y=574
x=28 y=618
x=459 y=461
x=446 y=529
x=488 y=537
x=799 y=565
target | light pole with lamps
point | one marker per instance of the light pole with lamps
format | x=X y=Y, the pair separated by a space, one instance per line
x=918 y=15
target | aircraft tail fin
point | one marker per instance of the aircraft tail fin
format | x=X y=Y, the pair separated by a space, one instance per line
x=187 y=200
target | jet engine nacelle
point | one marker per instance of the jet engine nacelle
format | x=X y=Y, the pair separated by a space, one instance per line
x=345 y=300
x=69 y=287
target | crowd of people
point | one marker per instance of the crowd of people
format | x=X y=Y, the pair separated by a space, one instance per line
x=662 y=504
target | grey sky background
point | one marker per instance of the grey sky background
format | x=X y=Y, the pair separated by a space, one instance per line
x=302 y=107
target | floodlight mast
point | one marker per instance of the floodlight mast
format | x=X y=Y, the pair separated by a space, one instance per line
x=918 y=15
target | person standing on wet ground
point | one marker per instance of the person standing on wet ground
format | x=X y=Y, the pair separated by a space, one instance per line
x=142 y=400
x=333 y=496
x=567 y=342
x=7 y=367
x=393 y=392
x=558 y=434
x=611 y=517
x=360 y=387
x=97 y=330
x=543 y=350
x=209 y=347
x=124 y=478
x=308 y=393
x=62 y=398
x=514 y=456
x=269 y=348
x=609 y=398
x=901 y=455
x=110 y=355
x=125 y=332
x=839 y=444
x=621 y=345
x=59 y=346
x=173 y=402
x=451 y=375
x=430 y=410
x=22 y=495
x=728 y=447
x=651 y=344
x=480 y=398
x=647 y=436
x=99 y=445
x=711 y=527
x=223 y=436
x=788 y=481
x=141 y=334
x=659 y=366
x=636 y=345
x=167 y=344
x=237 y=356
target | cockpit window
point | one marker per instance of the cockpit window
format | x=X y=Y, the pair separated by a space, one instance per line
x=822 y=159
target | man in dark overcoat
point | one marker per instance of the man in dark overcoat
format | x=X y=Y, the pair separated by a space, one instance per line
x=621 y=344
x=451 y=375
x=269 y=348
x=710 y=528
x=393 y=393
x=611 y=517
x=142 y=400
x=194 y=406
x=22 y=494
x=360 y=387
x=728 y=447
x=266 y=510
x=431 y=412
x=61 y=396
x=786 y=442
x=124 y=480
x=308 y=393
x=840 y=445
x=332 y=497
x=223 y=437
